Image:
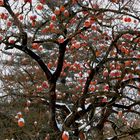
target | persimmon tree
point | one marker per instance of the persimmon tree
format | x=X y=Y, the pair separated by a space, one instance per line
x=73 y=69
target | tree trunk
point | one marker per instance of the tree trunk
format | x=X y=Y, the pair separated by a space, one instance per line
x=52 y=107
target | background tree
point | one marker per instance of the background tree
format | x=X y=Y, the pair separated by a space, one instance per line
x=70 y=67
